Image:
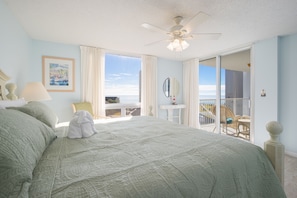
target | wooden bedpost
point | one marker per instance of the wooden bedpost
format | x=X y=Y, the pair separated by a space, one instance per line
x=274 y=149
x=11 y=87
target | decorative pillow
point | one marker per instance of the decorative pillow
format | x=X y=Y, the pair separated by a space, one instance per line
x=40 y=111
x=23 y=140
x=12 y=103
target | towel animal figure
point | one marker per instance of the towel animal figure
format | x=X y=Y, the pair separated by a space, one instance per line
x=82 y=125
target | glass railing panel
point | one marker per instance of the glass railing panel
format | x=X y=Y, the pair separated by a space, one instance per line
x=122 y=110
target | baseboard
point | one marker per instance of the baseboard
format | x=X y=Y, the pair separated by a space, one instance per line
x=292 y=154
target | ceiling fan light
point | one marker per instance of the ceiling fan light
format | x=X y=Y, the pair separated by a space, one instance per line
x=184 y=44
x=170 y=46
x=178 y=45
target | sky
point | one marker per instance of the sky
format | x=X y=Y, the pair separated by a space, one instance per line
x=122 y=77
x=207 y=82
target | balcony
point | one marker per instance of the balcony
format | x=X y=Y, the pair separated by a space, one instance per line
x=239 y=106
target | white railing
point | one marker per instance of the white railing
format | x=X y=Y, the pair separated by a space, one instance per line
x=239 y=106
x=123 y=108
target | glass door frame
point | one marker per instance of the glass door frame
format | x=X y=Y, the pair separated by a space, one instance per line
x=218 y=88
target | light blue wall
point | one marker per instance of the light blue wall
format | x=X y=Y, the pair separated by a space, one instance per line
x=15 y=48
x=168 y=68
x=61 y=101
x=265 y=77
x=287 y=97
x=275 y=68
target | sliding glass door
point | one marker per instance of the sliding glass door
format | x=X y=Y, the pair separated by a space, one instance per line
x=224 y=81
x=207 y=94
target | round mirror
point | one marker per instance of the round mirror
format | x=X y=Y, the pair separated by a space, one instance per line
x=170 y=87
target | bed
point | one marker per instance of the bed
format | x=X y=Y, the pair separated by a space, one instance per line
x=127 y=157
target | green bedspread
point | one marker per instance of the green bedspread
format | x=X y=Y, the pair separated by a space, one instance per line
x=147 y=157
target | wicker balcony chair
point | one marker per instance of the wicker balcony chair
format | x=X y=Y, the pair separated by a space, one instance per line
x=228 y=120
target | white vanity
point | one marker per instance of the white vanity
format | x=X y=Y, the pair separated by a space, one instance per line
x=171 y=91
x=170 y=111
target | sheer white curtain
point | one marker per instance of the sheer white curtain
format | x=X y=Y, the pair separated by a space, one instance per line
x=149 y=86
x=190 y=92
x=92 y=79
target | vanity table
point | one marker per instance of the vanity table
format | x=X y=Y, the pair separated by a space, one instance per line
x=171 y=108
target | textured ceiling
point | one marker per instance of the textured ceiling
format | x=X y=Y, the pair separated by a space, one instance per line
x=115 y=25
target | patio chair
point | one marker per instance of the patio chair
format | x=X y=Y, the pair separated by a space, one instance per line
x=228 y=120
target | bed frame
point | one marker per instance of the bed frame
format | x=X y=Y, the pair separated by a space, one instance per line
x=273 y=148
x=3 y=79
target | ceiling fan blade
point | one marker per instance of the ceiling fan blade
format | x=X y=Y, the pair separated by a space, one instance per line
x=153 y=28
x=206 y=36
x=155 y=42
x=197 y=19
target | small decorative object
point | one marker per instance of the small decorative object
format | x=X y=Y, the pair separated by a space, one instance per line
x=263 y=93
x=58 y=73
x=151 y=109
x=173 y=100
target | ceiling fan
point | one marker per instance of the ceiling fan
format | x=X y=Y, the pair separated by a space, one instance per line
x=178 y=34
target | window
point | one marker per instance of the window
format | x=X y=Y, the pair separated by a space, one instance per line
x=122 y=85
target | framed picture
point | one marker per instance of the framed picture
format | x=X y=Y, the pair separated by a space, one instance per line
x=58 y=73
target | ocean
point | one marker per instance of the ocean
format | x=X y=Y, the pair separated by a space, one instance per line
x=204 y=97
x=135 y=98
x=128 y=98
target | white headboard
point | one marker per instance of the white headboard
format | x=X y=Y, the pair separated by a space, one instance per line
x=3 y=79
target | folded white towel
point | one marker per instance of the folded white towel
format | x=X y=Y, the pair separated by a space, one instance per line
x=82 y=125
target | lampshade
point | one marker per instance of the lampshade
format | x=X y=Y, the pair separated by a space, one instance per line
x=178 y=45
x=35 y=91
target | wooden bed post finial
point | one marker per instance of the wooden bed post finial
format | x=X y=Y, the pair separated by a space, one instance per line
x=274 y=149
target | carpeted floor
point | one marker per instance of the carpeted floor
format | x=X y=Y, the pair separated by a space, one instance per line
x=290 y=184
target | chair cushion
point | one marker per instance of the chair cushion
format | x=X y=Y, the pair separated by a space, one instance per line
x=85 y=106
x=229 y=120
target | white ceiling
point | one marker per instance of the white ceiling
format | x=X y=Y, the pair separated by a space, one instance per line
x=116 y=24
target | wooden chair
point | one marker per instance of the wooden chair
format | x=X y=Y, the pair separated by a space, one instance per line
x=227 y=120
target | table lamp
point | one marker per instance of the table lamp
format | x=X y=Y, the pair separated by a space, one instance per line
x=35 y=91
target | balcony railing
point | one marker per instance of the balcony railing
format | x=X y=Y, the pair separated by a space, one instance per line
x=122 y=109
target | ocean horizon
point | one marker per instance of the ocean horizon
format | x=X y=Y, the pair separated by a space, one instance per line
x=135 y=98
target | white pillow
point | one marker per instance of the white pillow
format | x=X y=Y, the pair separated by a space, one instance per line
x=12 y=103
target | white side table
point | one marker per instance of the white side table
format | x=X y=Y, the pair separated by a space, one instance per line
x=170 y=109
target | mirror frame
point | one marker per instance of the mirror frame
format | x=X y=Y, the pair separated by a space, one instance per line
x=170 y=87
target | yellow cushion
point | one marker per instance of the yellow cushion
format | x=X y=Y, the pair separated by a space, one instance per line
x=86 y=106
